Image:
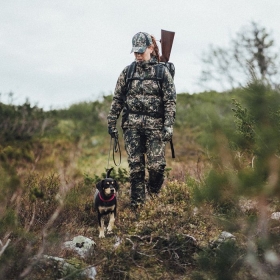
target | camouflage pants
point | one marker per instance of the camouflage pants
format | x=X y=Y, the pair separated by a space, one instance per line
x=138 y=143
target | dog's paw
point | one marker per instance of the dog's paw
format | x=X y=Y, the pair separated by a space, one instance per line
x=110 y=229
x=101 y=233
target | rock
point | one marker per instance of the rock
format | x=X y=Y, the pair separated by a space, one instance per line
x=83 y=246
x=271 y=257
x=65 y=268
x=223 y=237
x=90 y=273
x=118 y=242
x=62 y=266
x=275 y=216
x=247 y=205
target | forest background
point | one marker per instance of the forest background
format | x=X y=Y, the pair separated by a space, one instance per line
x=225 y=177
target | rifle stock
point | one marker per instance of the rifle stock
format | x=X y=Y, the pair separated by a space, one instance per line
x=167 y=38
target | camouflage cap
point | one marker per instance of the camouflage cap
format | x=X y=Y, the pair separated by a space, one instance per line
x=140 y=42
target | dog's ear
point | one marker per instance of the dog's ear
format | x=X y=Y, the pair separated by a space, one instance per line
x=99 y=185
x=116 y=185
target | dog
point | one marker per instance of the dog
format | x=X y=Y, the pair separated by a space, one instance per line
x=105 y=202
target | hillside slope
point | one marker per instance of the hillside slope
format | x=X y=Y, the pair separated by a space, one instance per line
x=51 y=161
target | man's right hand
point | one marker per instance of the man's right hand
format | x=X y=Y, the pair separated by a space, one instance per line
x=113 y=132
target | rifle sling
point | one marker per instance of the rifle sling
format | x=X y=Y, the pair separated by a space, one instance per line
x=172 y=149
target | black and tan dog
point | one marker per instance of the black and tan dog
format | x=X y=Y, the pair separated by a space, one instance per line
x=105 y=202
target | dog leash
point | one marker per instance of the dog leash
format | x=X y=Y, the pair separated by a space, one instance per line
x=116 y=148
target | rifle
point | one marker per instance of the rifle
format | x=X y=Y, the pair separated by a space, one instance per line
x=166 y=41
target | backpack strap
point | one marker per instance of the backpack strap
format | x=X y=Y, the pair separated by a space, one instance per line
x=159 y=74
x=129 y=74
x=159 y=71
x=128 y=77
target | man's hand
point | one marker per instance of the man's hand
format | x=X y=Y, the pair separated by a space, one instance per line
x=113 y=132
x=167 y=133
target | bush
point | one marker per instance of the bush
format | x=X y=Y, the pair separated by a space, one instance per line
x=23 y=122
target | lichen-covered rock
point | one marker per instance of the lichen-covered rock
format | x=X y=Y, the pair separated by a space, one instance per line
x=83 y=246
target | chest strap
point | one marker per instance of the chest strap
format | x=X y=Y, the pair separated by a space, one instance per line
x=156 y=115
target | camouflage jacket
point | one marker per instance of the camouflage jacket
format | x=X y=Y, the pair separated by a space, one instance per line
x=144 y=105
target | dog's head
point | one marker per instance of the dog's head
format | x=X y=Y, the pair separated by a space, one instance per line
x=108 y=186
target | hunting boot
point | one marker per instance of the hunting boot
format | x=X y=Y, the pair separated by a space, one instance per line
x=155 y=182
x=137 y=190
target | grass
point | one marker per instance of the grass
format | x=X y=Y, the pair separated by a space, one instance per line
x=53 y=202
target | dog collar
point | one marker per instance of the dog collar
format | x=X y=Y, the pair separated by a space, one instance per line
x=104 y=200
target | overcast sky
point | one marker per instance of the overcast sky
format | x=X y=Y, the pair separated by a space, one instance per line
x=60 y=52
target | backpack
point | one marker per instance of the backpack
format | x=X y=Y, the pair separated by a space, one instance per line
x=159 y=73
x=159 y=78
